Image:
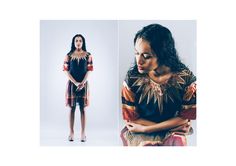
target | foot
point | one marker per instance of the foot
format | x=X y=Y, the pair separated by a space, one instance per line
x=83 y=138
x=71 y=137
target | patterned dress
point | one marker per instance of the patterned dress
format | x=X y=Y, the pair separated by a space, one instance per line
x=78 y=66
x=143 y=98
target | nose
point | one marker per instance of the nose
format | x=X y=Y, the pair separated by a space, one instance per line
x=140 y=60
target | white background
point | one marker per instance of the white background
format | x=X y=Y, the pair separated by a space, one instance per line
x=20 y=71
x=102 y=113
x=184 y=34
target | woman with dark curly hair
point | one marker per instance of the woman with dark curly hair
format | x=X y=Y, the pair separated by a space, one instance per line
x=159 y=92
x=77 y=66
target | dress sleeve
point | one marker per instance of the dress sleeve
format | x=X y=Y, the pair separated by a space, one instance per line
x=66 y=64
x=90 y=62
x=189 y=108
x=128 y=103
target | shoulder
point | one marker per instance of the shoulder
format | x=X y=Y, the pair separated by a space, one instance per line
x=132 y=72
x=185 y=77
x=89 y=57
x=131 y=76
x=67 y=57
x=88 y=53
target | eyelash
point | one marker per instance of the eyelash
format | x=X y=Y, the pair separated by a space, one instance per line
x=145 y=57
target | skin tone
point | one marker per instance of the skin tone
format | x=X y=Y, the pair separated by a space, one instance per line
x=78 y=42
x=145 y=58
x=147 y=63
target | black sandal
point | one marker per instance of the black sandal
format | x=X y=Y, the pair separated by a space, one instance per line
x=70 y=138
x=83 y=140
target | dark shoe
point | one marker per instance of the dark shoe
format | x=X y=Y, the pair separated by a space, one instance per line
x=83 y=139
x=70 y=138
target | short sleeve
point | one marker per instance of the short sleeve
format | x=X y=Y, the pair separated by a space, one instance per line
x=90 y=62
x=66 y=64
x=188 y=110
x=128 y=103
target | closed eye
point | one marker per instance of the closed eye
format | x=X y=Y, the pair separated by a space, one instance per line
x=147 y=56
x=144 y=55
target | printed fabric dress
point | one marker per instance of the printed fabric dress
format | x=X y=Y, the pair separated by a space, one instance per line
x=143 y=98
x=78 y=66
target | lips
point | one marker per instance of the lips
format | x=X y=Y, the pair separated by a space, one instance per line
x=140 y=68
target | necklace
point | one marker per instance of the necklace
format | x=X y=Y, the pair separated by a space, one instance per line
x=78 y=55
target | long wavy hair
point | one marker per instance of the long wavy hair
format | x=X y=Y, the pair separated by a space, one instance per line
x=163 y=45
x=73 y=48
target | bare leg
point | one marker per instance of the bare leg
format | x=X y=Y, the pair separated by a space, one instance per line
x=71 y=123
x=83 y=121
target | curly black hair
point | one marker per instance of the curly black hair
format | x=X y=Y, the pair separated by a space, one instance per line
x=163 y=45
x=73 y=48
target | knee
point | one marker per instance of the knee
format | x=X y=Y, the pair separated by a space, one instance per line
x=72 y=109
x=176 y=140
x=179 y=140
x=82 y=110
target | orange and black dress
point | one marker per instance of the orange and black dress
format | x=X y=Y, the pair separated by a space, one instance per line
x=78 y=66
x=143 y=98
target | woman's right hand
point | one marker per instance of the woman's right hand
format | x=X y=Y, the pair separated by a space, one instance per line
x=77 y=84
x=136 y=128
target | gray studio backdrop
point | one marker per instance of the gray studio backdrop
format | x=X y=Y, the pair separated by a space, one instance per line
x=184 y=33
x=102 y=114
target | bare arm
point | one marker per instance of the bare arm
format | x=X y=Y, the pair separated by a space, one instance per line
x=71 y=78
x=143 y=122
x=85 y=77
x=81 y=85
x=168 y=124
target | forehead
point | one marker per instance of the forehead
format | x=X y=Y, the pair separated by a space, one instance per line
x=78 y=38
x=142 y=45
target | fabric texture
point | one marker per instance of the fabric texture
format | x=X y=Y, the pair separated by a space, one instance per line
x=154 y=139
x=143 y=98
x=77 y=66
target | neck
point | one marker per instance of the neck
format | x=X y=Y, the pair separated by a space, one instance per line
x=160 y=75
x=162 y=70
x=159 y=79
x=79 y=49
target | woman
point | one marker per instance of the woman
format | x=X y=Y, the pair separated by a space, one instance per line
x=77 y=66
x=159 y=92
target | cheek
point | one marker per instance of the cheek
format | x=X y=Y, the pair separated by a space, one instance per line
x=136 y=58
x=80 y=43
x=152 y=64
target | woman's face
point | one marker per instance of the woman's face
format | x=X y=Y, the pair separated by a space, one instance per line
x=145 y=57
x=78 y=42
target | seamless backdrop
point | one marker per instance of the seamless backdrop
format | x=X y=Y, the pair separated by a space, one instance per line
x=184 y=34
x=102 y=114
x=111 y=44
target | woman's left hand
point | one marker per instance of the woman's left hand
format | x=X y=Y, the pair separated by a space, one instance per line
x=136 y=128
x=185 y=128
x=80 y=86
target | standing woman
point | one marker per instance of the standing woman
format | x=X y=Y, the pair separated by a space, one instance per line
x=77 y=66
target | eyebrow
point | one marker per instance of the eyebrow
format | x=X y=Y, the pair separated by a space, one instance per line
x=144 y=52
